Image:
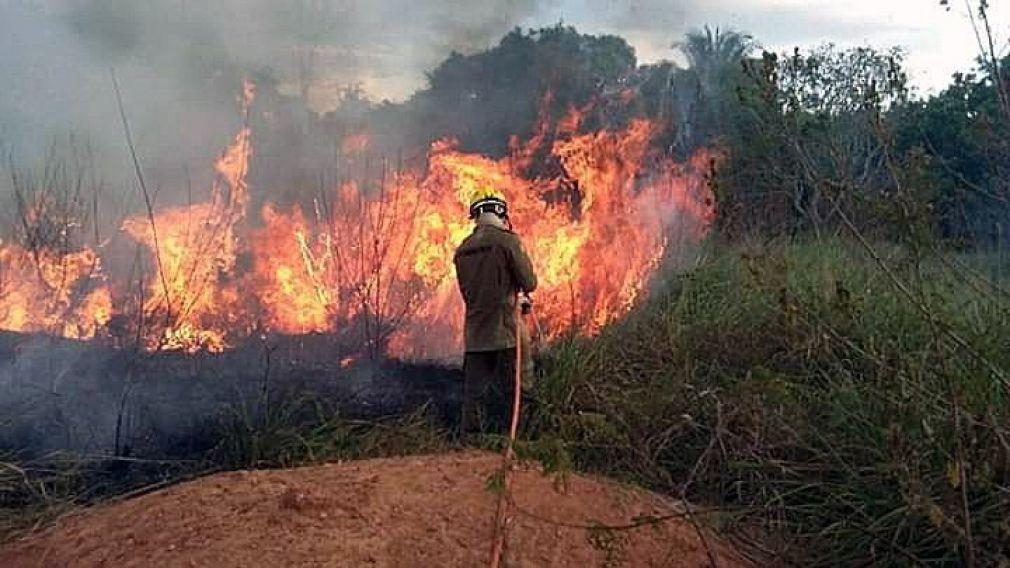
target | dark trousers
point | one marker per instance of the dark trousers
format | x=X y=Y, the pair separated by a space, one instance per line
x=488 y=379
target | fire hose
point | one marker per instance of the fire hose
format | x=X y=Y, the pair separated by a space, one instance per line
x=508 y=456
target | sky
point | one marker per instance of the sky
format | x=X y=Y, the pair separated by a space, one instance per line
x=939 y=42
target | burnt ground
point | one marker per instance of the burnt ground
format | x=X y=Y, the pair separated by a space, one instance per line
x=88 y=398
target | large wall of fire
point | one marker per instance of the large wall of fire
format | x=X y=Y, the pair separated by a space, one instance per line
x=377 y=261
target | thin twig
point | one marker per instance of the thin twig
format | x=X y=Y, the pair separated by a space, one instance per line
x=143 y=188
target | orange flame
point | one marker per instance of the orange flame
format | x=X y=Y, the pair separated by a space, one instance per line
x=377 y=259
x=192 y=297
x=61 y=294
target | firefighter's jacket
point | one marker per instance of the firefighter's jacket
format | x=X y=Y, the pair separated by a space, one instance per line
x=492 y=267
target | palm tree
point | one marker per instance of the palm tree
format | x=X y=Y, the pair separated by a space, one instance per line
x=703 y=92
x=709 y=51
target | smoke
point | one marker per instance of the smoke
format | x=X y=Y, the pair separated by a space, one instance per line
x=180 y=64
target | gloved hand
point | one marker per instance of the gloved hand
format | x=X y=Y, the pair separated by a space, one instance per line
x=525 y=304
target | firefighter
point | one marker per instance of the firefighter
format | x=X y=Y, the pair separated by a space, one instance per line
x=494 y=273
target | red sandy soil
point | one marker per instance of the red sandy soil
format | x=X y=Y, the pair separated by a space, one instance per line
x=416 y=511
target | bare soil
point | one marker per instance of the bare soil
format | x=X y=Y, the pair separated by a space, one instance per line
x=417 y=511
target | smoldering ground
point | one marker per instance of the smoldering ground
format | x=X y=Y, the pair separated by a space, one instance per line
x=59 y=395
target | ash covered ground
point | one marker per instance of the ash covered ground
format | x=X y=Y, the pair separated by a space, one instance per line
x=63 y=395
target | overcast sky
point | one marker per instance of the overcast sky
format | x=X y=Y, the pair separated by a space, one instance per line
x=939 y=42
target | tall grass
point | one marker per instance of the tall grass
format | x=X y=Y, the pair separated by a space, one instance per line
x=852 y=403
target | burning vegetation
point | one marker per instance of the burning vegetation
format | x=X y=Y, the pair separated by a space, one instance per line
x=374 y=257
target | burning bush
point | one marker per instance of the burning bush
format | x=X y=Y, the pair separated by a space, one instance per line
x=51 y=278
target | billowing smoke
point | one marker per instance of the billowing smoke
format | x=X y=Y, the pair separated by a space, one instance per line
x=180 y=64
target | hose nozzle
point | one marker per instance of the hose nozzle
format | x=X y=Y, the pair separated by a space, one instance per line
x=525 y=304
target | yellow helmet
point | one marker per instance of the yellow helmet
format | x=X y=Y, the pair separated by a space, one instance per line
x=488 y=201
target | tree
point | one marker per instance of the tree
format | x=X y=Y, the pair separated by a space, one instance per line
x=710 y=52
x=704 y=94
x=812 y=138
x=484 y=98
x=963 y=132
x=988 y=57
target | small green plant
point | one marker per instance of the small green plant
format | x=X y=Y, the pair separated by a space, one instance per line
x=609 y=542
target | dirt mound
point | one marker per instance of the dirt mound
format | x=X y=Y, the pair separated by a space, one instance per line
x=419 y=511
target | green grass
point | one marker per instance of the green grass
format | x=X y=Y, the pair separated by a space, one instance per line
x=303 y=429
x=851 y=404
